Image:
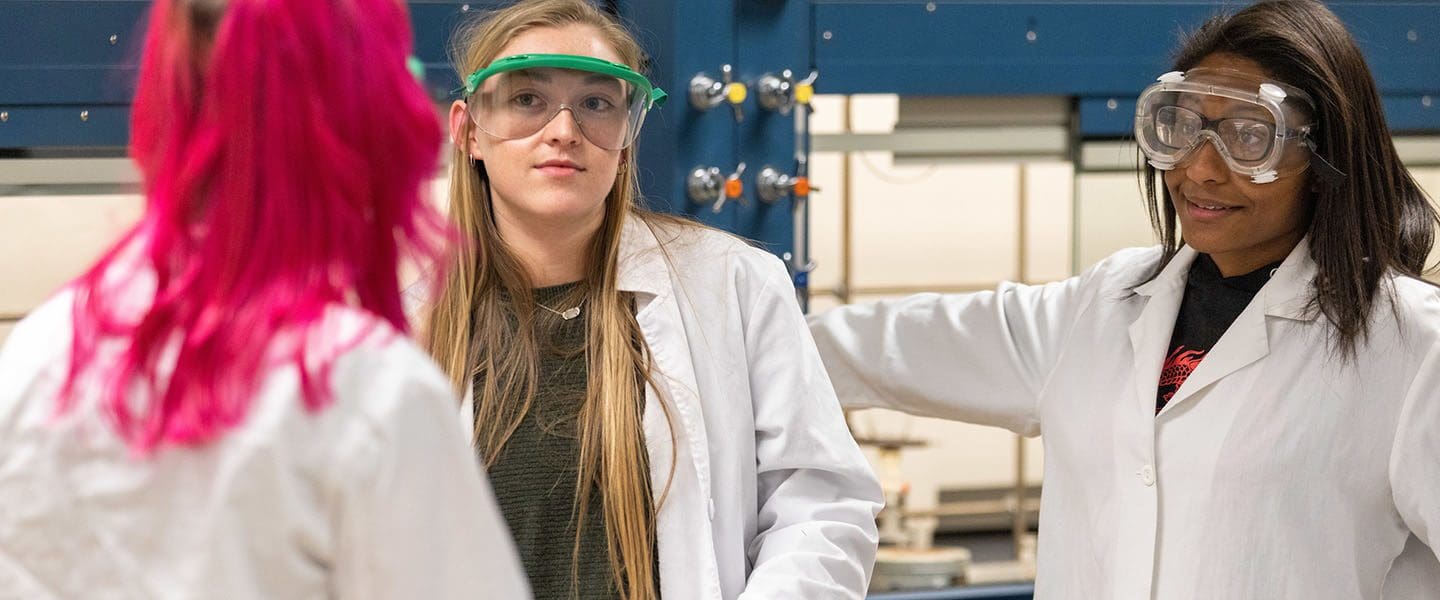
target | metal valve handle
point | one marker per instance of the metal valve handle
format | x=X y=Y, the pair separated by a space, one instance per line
x=706 y=92
x=706 y=185
x=782 y=92
x=734 y=190
x=772 y=185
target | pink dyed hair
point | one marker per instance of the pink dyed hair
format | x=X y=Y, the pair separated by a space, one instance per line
x=284 y=144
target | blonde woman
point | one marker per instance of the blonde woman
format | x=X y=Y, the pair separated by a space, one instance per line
x=646 y=396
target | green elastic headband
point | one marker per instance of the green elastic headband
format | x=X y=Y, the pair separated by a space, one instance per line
x=655 y=95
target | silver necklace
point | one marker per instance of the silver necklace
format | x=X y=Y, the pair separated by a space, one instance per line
x=568 y=313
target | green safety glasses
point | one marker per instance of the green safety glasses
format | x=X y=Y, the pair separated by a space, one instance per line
x=517 y=96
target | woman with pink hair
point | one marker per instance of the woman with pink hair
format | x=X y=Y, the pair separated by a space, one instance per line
x=225 y=404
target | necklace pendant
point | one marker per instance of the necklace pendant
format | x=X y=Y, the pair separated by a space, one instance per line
x=570 y=313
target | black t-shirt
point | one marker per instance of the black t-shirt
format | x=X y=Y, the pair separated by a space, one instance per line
x=1212 y=302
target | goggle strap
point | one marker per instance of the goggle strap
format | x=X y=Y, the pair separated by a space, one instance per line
x=1324 y=170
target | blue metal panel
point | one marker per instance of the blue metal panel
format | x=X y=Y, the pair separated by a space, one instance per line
x=56 y=59
x=771 y=37
x=1401 y=42
x=434 y=24
x=687 y=38
x=60 y=51
x=1111 y=117
x=32 y=126
x=984 y=592
x=682 y=39
x=1413 y=114
x=964 y=47
x=1097 y=51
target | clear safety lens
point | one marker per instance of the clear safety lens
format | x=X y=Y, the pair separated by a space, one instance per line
x=1246 y=139
x=518 y=104
x=1260 y=128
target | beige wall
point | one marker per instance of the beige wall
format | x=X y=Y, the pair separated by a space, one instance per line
x=47 y=240
x=929 y=226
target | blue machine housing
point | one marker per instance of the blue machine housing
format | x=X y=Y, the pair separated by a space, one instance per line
x=1094 y=52
x=67 y=70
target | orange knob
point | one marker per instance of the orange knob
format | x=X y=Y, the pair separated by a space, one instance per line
x=733 y=188
x=802 y=186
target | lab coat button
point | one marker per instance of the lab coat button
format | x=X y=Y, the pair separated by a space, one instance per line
x=1147 y=475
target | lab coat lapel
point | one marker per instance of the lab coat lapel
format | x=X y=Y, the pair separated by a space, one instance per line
x=643 y=271
x=673 y=422
x=1151 y=331
x=1247 y=339
x=1244 y=342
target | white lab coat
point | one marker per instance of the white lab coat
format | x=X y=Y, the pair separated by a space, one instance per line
x=1277 y=471
x=771 y=498
x=375 y=496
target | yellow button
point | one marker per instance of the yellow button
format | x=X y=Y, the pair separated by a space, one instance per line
x=804 y=92
x=736 y=92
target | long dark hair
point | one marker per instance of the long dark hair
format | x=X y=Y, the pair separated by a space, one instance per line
x=1375 y=218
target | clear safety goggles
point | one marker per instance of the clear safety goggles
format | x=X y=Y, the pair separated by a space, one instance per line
x=1258 y=127
x=517 y=96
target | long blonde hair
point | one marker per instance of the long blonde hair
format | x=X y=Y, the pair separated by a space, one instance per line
x=482 y=321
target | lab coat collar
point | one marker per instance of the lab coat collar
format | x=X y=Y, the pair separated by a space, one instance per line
x=642 y=270
x=1173 y=276
x=642 y=267
x=686 y=507
x=1286 y=295
x=1151 y=331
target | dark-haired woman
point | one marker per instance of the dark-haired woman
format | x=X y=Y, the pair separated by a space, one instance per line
x=1249 y=410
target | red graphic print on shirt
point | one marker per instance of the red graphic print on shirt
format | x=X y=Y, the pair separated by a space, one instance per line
x=1178 y=367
